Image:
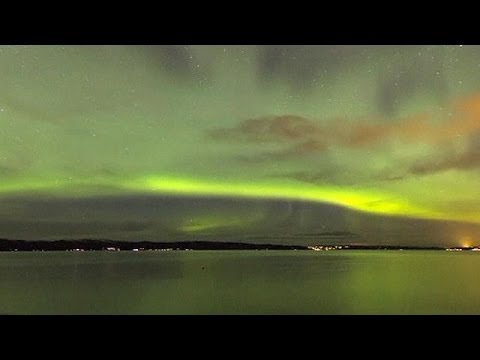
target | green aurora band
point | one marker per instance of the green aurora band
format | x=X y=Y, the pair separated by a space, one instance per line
x=367 y=200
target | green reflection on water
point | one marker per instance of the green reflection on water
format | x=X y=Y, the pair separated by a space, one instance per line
x=240 y=282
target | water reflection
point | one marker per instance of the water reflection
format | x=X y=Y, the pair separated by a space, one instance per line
x=240 y=282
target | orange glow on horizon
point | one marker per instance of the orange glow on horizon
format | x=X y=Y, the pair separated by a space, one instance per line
x=466 y=241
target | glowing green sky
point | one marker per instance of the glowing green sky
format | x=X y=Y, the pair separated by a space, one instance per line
x=385 y=130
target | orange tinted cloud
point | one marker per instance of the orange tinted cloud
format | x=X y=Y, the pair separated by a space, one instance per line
x=465 y=117
x=365 y=135
x=303 y=136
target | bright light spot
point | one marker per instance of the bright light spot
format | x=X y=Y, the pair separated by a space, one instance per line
x=466 y=241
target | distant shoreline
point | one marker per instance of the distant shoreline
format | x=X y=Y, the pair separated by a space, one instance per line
x=114 y=245
x=7 y=245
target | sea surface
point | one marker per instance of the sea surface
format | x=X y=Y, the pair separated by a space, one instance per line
x=240 y=282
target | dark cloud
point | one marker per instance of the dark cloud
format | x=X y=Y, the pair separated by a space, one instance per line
x=181 y=63
x=298 y=136
x=376 y=229
x=366 y=135
x=465 y=160
x=274 y=129
x=161 y=217
x=175 y=59
x=300 y=65
x=279 y=221
x=420 y=72
x=416 y=70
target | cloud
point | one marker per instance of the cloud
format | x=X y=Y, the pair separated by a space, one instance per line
x=174 y=59
x=365 y=135
x=417 y=70
x=273 y=129
x=412 y=72
x=297 y=65
x=310 y=136
x=414 y=75
x=465 y=121
x=464 y=161
x=299 y=136
x=467 y=159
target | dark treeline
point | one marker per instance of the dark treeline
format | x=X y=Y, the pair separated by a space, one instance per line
x=86 y=244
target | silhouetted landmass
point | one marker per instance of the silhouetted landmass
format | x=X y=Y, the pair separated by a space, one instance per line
x=87 y=244
x=91 y=245
x=390 y=247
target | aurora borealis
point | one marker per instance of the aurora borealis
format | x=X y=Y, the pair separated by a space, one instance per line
x=233 y=142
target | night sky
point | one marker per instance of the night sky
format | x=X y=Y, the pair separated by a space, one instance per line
x=241 y=143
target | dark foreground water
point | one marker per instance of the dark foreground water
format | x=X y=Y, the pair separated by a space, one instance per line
x=240 y=282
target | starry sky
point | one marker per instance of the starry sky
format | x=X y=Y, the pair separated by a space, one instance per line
x=241 y=143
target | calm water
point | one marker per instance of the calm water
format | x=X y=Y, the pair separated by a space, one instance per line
x=240 y=282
